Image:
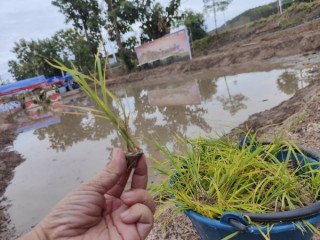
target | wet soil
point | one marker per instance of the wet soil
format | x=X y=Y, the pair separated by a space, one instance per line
x=259 y=48
x=9 y=160
x=299 y=116
x=272 y=48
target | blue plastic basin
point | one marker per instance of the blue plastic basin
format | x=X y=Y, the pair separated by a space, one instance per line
x=212 y=229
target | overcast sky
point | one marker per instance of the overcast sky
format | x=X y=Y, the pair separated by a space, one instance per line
x=38 y=19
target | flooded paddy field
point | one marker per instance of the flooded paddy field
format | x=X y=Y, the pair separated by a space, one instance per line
x=64 y=150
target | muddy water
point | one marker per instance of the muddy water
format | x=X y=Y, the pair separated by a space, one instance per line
x=63 y=150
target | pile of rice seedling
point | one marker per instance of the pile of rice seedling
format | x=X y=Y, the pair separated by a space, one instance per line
x=214 y=176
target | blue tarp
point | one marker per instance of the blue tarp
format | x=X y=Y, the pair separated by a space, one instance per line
x=40 y=124
x=68 y=76
x=55 y=79
x=22 y=84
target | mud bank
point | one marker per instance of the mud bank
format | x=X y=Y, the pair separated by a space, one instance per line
x=300 y=116
x=301 y=40
x=9 y=160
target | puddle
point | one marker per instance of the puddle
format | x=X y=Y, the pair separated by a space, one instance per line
x=63 y=150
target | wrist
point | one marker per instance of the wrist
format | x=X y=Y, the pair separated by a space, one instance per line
x=36 y=233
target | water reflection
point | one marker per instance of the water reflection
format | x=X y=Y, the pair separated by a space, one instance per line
x=208 y=88
x=187 y=93
x=165 y=109
x=289 y=81
x=69 y=151
x=39 y=117
x=232 y=102
x=146 y=120
x=161 y=122
x=72 y=130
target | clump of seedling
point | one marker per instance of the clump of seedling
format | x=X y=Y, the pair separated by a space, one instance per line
x=95 y=87
x=212 y=176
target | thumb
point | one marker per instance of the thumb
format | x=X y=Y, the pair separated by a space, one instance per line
x=110 y=175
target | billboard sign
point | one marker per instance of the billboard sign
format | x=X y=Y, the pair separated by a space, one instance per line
x=171 y=45
x=185 y=94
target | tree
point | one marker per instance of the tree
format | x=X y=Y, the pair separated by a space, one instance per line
x=3 y=82
x=216 y=6
x=72 y=46
x=157 y=20
x=195 y=23
x=65 y=46
x=30 y=58
x=85 y=16
x=121 y=14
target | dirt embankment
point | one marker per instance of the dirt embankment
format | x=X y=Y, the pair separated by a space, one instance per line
x=299 y=116
x=304 y=39
x=9 y=160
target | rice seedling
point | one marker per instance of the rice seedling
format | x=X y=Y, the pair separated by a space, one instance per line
x=215 y=176
x=95 y=87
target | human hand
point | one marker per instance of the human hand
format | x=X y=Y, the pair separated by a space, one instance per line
x=101 y=209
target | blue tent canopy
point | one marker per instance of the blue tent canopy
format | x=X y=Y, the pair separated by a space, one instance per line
x=23 y=84
x=68 y=76
x=55 y=79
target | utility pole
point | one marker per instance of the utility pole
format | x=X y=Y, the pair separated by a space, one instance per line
x=280 y=6
x=215 y=15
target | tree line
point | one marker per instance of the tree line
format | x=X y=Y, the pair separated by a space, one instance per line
x=96 y=22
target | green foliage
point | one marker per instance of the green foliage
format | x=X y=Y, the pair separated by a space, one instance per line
x=154 y=24
x=304 y=6
x=65 y=45
x=201 y=44
x=128 y=58
x=73 y=47
x=262 y=23
x=85 y=16
x=30 y=58
x=255 y=14
x=195 y=23
x=157 y=20
x=214 y=176
x=268 y=10
x=3 y=82
x=216 y=6
x=121 y=14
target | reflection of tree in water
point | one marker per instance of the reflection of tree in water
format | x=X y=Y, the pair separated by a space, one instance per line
x=175 y=120
x=71 y=130
x=208 y=88
x=288 y=83
x=148 y=121
x=232 y=103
